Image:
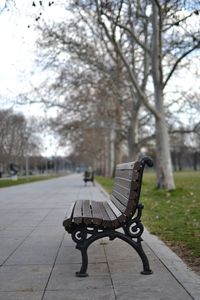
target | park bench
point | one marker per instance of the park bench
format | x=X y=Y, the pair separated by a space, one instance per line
x=118 y=217
x=88 y=176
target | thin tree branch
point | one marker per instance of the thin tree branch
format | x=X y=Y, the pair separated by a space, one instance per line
x=178 y=61
x=134 y=37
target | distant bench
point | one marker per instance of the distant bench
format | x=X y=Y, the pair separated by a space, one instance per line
x=88 y=221
x=88 y=176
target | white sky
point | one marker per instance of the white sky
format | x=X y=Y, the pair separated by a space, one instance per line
x=17 y=55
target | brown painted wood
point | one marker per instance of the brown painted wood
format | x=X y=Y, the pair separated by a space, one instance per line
x=123 y=191
x=123 y=182
x=121 y=207
x=137 y=166
x=97 y=215
x=68 y=218
x=125 y=166
x=87 y=213
x=78 y=212
x=106 y=221
x=117 y=212
x=122 y=199
x=135 y=175
x=135 y=185
x=123 y=174
x=113 y=218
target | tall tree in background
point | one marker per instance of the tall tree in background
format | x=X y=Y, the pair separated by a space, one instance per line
x=171 y=40
x=16 y=138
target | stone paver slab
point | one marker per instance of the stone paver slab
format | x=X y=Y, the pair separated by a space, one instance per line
x=63 y=278
x=81 y=294
x=160 y=285
x=24 y=278
x=33 y=255
x=26 y=295
x=68 y=254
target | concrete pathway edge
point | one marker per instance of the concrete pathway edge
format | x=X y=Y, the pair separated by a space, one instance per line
x=181 y=272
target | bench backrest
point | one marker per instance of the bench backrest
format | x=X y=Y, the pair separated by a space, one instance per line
x=127 y=185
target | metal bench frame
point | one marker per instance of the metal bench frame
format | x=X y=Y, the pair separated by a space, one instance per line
x=84 y=232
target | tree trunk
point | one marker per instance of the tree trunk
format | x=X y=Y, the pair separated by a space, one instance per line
x=163 y=159
x=112 y=151
x=133 y=136
x=195 y=160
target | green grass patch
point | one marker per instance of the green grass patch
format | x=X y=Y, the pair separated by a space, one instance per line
x=172 y=215
x=22 y=180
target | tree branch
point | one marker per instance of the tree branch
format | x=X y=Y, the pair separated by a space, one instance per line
x=131 y=75
x=134 y=37
x=178 y=61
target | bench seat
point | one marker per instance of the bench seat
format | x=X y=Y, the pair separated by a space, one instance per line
x=93 y=213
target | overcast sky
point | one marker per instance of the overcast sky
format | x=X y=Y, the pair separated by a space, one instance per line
x=17 y=42
x=17 y=57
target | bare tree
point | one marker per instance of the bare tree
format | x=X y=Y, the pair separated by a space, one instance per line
x=164 y=38
x=16 y=139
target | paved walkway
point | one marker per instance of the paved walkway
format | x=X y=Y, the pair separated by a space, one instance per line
x=38 y=259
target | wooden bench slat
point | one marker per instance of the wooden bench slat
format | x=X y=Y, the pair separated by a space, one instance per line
x=127 y=193
x=123 y=174
x=127 y=174
x=68 y=218
x=111 y=214
x=123 y=182
x=115 y=210
x=120 y=216
x=118 y=204
x=126 y=207
x=106 y=221
x=122 y=198
x=125 y=166
x=78 y=212
x=123 y=191
x=115 y=199
x=97 y=214
x=87 y=213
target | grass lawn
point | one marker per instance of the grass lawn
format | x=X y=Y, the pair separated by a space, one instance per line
x=173 y=216
x=21 y=180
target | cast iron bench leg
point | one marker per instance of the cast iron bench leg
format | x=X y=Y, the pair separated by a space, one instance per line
x=84 y=255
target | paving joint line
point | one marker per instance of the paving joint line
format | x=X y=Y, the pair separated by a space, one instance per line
x=54 y=263
x=113 y=287
x=3 y=263
x=168 y=269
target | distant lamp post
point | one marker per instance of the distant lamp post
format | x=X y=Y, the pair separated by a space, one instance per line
x=46 y=161
x=26 y=156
